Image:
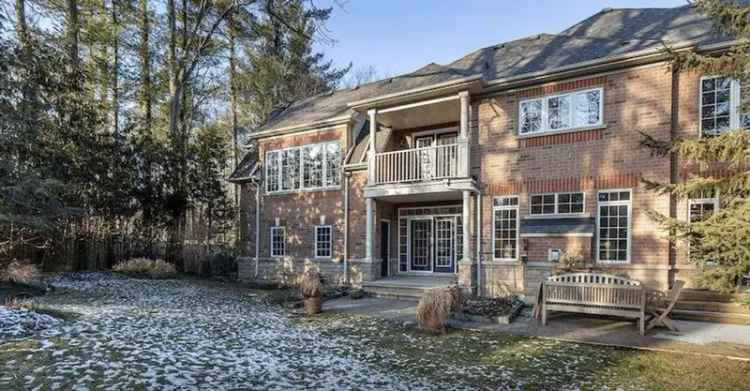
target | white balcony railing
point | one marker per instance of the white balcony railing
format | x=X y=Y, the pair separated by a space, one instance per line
x=420 y=164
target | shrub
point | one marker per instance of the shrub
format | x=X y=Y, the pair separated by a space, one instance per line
x=310 y=284
x=20 y=272
x=222 y=264
x=153 y=268
x=436 y=306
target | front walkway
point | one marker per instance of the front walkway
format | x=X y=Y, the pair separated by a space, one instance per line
x=694 y=337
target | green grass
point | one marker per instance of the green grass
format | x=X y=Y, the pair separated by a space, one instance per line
x=495 y=360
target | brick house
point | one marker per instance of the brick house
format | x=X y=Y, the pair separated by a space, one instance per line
x=489 y=168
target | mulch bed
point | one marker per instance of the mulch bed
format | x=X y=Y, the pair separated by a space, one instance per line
x=486 y=306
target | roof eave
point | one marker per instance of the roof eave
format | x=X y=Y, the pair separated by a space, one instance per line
x=304 y=126
x=473 y=82
x=602 y=64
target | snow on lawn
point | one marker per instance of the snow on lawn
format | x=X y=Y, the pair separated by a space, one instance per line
x=18 y=322
x=179 y=334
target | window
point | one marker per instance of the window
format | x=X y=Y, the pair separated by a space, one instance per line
x=613 y=224
x=290 y=169
x=556 y=203
x=323 y=241
x=505 y=217
x=314 y=166
x=701 y=207
x=575 y=110
x=554 y=255
x=272 y=171
x=721 y=99
x=278 y=241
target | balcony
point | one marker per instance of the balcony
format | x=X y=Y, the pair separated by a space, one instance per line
x=424 y=164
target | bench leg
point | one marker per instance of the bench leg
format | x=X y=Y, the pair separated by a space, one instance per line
x=642 y=325
x=544 y=314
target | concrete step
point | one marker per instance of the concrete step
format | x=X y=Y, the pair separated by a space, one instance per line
x=411 y=294
x=405 y=288
x=712 y=306
x=709 y=316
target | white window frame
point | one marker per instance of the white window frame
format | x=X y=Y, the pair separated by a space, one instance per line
x=330 y=241
x=710 y=200
x=735 y=101
x=557 y=205
x=515 y=207
x=283 y=233
x=629 y=204
x=544 y=126
x=301 y=176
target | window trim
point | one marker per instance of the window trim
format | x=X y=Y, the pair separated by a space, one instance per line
x=628 y=203
x=330 y=241
x=557 y=213
x=517 y=208
x=716 y=201
x=271 y=249
x=544 y=126
x=301 y=178
x=735 y=101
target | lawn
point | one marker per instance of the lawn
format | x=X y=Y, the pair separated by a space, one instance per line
x=122 y=333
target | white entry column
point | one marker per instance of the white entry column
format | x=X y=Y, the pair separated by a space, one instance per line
x=370 y=204
x=465 y=223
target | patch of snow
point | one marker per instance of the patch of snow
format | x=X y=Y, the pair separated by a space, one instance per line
x=19 y=322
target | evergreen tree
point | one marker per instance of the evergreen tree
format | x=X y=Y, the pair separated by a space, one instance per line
x=720 y=243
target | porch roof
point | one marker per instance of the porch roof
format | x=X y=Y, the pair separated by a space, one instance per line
x=611 y=33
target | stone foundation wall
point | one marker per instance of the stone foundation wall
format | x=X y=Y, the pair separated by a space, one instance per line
x=288 y=270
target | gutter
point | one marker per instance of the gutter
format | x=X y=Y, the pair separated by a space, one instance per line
x=304 y=126
x=257 y=227
x=346 y=228
x=383 y=99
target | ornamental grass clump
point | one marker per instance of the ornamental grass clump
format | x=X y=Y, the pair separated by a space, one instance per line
x=19 y=272
x=144 y=267
x=311 y=288
x=436 y=306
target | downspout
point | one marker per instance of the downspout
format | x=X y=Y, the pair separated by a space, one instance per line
x=346 y=228
x=479 y=243
x=257 y=227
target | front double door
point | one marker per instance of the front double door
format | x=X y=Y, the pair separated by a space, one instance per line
x=433 y=244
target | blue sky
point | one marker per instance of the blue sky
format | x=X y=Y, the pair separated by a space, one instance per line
x=397 y=36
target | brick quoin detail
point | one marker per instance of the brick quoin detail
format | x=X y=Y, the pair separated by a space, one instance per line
x=565 y=184
x=565 y=86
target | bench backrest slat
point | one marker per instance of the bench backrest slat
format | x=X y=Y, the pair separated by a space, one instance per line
x=594 y=289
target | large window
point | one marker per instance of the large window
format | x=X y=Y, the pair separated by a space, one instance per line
x=613 y=223
x=278 y=241
x=702 y=206
x=721 y=99
x=556 y=203
x=315 y=166
x=505 y=221
x=570 y=111
x=323 y=236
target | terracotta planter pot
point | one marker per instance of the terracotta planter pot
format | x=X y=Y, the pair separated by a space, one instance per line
x=313 y=305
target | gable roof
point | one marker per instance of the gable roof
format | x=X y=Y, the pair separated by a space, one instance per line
x=609 y=33
x=246 y=170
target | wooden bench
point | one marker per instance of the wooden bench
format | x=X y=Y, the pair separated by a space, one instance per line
x=592 y=293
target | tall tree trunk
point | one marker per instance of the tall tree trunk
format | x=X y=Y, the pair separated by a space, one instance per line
x=145 y=54
x=22 y=29
x=178 y=202
x=115 y=68
x=72 y=32
x=233 y=105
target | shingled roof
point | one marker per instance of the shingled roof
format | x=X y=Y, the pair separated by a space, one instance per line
x=611 y=32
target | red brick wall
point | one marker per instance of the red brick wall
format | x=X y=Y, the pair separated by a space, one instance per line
x=637 y=99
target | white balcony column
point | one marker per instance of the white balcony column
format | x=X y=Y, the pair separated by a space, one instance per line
x=372 y=114
x=370 y=203
x=463 y=97
x=466 y=222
